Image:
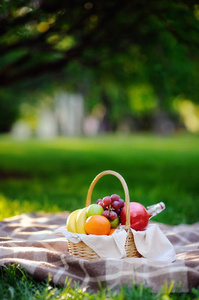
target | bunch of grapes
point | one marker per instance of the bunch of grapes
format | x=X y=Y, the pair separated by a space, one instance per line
x=112 y=206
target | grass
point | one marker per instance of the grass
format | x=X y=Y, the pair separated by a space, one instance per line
x=54 y=175
x=17 y=284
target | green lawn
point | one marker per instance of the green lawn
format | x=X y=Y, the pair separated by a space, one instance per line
x=54 y=175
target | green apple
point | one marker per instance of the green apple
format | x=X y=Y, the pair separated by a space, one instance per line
x=115 y=223
x=94 y=209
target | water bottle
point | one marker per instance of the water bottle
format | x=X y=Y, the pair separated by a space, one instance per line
x=155 y=209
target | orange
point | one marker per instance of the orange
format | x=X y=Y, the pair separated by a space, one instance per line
x=98 y=225
x=111 y=231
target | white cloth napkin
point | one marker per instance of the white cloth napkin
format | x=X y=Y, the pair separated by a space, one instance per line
x=150 y=243
x=153 y=244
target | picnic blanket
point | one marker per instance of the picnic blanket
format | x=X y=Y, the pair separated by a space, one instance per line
x=29 y=240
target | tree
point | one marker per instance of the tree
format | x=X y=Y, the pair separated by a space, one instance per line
x=125 y=42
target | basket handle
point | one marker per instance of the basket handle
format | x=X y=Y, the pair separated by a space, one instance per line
x=126 y=192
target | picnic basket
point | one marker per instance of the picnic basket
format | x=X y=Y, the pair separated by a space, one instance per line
x=82 y=250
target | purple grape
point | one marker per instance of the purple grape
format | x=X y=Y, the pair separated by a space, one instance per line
x=99 y=200
x=121 y=201
x=115 y=205
x=102 y=204
x=118 y=211
x=106 y=213
x=112 y=215
x=106 y=200
x=115 y=197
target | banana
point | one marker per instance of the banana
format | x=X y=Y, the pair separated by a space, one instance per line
x=71 y=221
x=80 y=220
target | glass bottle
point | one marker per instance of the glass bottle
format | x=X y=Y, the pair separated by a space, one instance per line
x=155 y=209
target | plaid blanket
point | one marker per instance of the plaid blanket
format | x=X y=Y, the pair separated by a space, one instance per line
x=29 y=240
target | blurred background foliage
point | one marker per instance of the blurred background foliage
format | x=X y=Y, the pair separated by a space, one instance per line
x=137 y=61
x=99 y=66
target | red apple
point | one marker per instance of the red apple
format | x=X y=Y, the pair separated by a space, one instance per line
x=139 y=216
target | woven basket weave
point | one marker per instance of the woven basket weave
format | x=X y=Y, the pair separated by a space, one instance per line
x=81 y=250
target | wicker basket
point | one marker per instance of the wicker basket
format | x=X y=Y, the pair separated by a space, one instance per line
x=81 y=250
